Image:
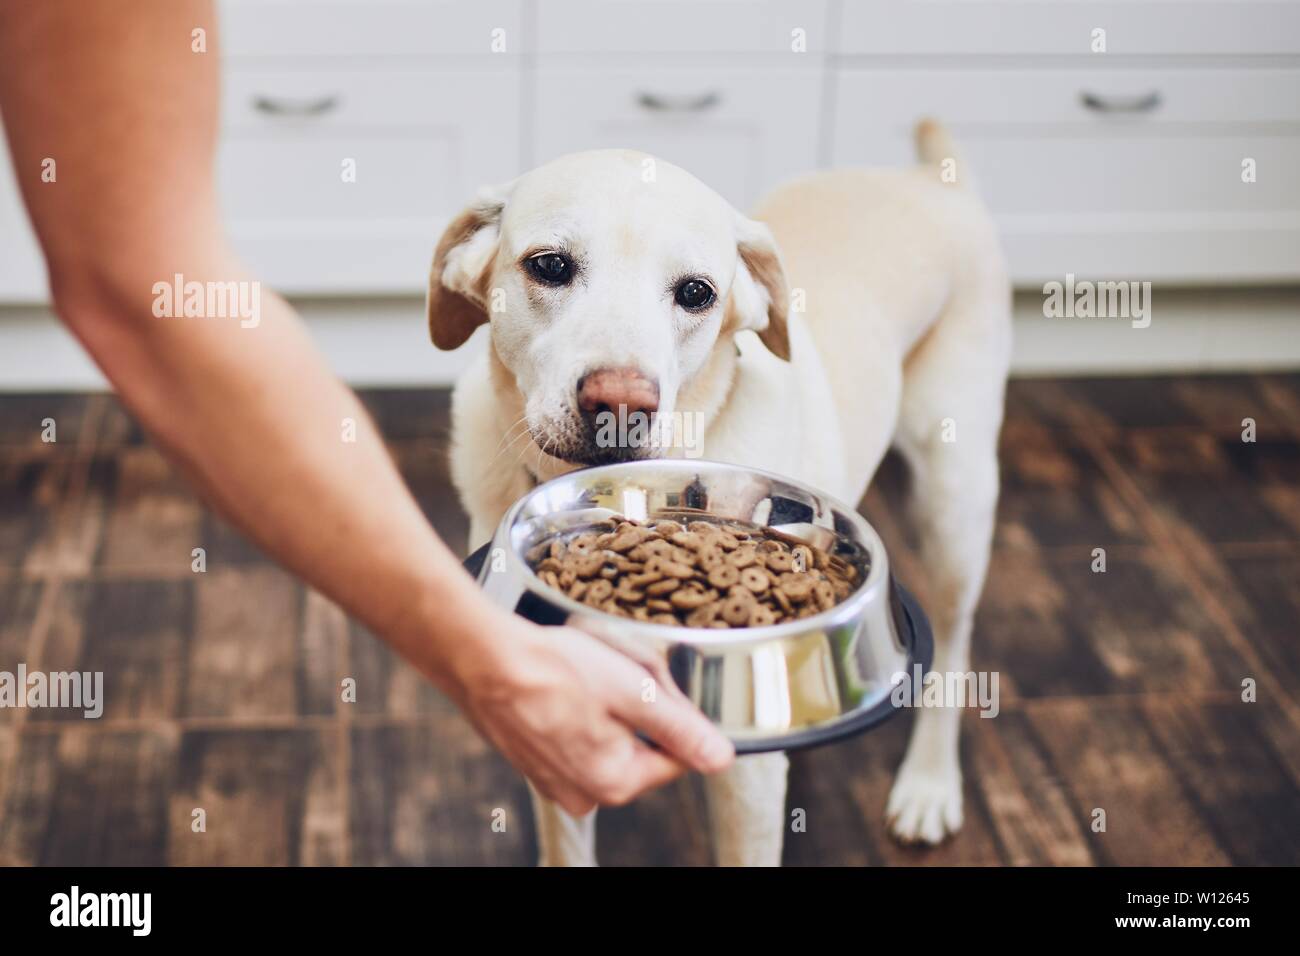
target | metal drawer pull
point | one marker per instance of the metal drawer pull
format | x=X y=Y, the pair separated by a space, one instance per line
x=275 y=106
x=678 y=104
x=1121 y=104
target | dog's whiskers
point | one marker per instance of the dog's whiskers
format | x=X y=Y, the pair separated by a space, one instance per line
x=544 y=450
x=504 y=446
x=522 y=452
x=522 y=420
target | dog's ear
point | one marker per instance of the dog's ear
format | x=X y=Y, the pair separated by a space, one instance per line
x=457 y=300
x=759 y=297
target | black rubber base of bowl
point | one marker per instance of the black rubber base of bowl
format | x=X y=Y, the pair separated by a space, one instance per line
x=913 y=628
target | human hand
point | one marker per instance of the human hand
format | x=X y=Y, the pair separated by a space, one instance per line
x=563 y=708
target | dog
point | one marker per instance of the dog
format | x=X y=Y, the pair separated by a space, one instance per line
x=858 y=310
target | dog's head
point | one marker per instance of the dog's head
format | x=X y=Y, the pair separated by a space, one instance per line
x=608 y=278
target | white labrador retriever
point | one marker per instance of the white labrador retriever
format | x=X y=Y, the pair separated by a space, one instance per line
x=612 y=279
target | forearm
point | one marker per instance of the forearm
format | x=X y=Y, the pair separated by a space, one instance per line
x=283 y=450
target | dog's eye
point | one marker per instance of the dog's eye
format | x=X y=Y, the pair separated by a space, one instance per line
x=551 y=268
x=694 y=295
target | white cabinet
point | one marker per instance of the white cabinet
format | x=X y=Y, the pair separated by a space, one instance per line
x=1067 y=27
x=351 y=130
x=1126 y=163
x=438 y=29
x=682 y=27
x=1124 y=173
x=730 y=90
x=340 y=181
x=740 y=130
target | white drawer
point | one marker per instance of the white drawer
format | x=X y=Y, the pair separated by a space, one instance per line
x=1159 y=196
x=287 y=102
x=1121 y=99
x=1066 y=26
x=305 y=28
x=679 y=26
x=422 y=143
x=739 y=130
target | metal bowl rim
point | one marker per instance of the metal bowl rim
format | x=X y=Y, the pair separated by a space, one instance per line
x=873 y=588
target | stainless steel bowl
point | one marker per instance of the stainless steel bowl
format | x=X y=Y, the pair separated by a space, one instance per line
x=781 y=687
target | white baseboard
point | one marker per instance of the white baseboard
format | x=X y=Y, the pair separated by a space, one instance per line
x=370 y=342
x=1191 y=330
x=383 y=342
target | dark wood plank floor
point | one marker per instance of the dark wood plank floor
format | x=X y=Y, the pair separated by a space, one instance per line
x=1120 y=691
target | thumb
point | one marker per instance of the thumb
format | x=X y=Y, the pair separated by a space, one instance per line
x=674 y=723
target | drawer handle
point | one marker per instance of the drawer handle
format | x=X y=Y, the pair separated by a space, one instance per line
x=277 y=106
x=678 y=104
x=1121 y=104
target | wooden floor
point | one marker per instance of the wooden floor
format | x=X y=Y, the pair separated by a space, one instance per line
x=1120 y=691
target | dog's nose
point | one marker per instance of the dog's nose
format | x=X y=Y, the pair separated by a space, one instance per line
x=606 y=389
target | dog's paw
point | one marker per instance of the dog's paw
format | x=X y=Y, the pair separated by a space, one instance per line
x=924 y=805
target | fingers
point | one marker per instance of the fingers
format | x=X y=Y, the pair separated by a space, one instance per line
x=611 y=782
x=558 y=787
x=673 y=723
x=634 y=650
x=569 y=724
x=621 y=781
x=671 y=720
x=652 y=769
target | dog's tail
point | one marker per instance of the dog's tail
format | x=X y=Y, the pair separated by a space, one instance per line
x=935 y=147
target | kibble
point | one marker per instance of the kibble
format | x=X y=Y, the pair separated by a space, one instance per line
x=698 y=573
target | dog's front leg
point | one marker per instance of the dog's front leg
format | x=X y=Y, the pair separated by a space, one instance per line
x=747 y=811
x=562 y=840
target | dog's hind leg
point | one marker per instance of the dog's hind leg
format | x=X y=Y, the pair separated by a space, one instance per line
x=948 y=432
x=747 y=810
x=562 y=840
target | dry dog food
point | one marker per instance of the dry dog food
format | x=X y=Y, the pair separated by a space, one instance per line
x=712 y=573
